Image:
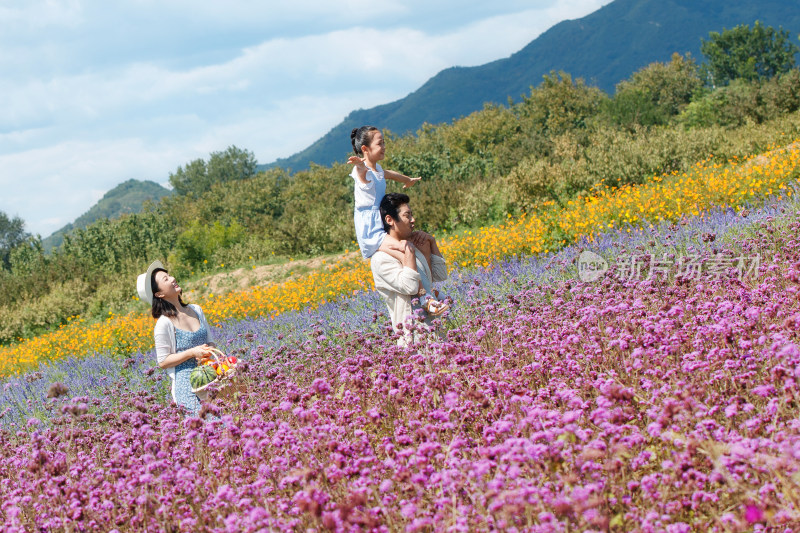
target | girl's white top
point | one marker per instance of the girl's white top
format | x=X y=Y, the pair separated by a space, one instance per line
x=366 y=194
x=166 y=344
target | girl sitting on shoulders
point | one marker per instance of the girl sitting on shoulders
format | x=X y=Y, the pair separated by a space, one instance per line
x=370 y=188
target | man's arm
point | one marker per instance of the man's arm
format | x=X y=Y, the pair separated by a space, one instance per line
x=389 y=273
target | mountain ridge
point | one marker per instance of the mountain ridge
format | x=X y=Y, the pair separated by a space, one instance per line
x=609 y=45
x=127 y=197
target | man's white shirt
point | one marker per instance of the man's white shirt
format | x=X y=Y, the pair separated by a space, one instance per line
x=398 y=284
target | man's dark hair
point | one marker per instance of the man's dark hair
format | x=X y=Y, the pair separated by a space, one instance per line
x=390 y=204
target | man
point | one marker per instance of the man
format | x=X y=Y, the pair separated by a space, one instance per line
x=398 y=282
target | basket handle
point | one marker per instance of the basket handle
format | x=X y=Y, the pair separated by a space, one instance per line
x=219 y=355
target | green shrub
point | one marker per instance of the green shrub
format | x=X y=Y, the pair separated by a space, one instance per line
x=561 y=104
x=30 y=318
x=199 y=242
x=744 y=101
x=254 y=248
x=199 y=175
x=317 y=212
x=655 y=93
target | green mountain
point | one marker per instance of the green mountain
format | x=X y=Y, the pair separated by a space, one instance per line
x=603 y=48
x=127 y=197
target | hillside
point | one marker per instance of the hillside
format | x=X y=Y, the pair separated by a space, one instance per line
x=603 y=48
x=127 y=197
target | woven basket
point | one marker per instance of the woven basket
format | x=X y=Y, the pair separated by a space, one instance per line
x=221 y=380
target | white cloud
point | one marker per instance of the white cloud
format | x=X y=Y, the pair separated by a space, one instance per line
x=51 y=186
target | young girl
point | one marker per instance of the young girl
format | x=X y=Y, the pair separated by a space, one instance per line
x=370 y=187
x=181 y=333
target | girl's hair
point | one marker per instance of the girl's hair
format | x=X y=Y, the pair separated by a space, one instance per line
x=362 y=137
x=161 y=306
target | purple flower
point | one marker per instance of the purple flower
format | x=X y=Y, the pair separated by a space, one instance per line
x=753 y=514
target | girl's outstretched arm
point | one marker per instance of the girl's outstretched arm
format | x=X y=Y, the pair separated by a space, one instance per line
x=361 y=168
x=402 y=178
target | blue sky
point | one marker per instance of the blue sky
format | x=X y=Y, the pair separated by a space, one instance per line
x=98 y=92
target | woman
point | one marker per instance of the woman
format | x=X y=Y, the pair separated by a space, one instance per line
x=182 y=334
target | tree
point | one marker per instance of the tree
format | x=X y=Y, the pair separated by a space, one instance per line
x=198 y=176
x=751 y=54
x=656 y=93
x=560 y=104
x=12 y=234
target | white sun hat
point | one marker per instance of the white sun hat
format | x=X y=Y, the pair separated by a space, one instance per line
x=143 y=285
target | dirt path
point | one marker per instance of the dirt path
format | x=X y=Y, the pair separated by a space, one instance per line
x=260 y=275
x=762 y=159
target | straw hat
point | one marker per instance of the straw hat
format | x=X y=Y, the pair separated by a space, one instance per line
x=143 y=285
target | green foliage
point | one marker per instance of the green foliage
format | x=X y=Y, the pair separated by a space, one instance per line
x=317 y=211
x=94 y=264
x=561 y=104
x=12 y=233
x=198 y=176
x=251 y=249
x=126 y=198
x=198 y=243
x=31 y=317
x=28 y=257
x=253 y=203
x=749 y=54
x=656 y=93
x=619 y=157
x=745 y=101
x=111 y=246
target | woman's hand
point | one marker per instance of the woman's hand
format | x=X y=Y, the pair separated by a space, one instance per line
x=200 y=352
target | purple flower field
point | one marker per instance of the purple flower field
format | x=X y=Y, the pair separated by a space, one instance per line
x=651 y=403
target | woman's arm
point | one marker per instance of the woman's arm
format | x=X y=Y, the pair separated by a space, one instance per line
x=402 y=178
x=165 y=354
x=174 y=359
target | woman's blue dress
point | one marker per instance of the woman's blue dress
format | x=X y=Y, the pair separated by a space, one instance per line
x=183 y=388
